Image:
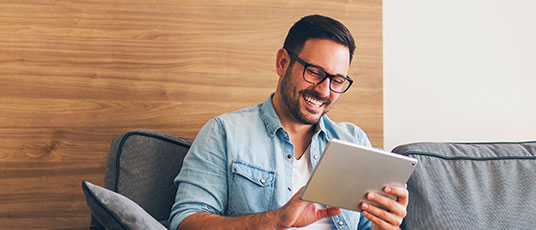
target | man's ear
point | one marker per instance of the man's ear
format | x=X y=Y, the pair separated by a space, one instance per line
x=282 y=61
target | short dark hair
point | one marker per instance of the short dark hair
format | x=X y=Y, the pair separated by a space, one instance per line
x=318 y=26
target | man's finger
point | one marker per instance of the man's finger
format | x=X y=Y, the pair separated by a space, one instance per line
x=377 y=221
x=329 y=212
x=386 y=216
x=390 y=204
x=297 y=194
x=398 y=191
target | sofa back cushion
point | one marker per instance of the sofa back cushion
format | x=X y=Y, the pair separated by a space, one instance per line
x=472 y=186
x=141 y=166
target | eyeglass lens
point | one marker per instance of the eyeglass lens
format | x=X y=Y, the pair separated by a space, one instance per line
x=315 y=75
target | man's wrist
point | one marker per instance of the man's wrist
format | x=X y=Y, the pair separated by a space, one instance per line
x=275 y=218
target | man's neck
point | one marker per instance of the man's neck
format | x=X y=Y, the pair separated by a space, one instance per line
x=297 y=128
x=300 y=133
x=301 y=139
x=289 y=122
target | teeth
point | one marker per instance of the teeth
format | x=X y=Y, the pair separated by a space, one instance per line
x=313 y=101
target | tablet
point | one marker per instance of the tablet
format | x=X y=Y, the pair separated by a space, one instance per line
x=346 y=172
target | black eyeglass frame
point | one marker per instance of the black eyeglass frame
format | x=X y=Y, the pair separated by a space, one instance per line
x=330 y=76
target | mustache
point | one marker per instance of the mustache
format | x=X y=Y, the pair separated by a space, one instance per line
x=315 y=95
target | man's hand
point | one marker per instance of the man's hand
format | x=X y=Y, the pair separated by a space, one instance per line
x=296 y=213
x=299 y=213
x=382 y=219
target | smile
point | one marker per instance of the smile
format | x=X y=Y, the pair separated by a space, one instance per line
x=313 y=101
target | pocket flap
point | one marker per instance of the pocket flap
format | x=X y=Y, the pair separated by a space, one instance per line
x=257 y=175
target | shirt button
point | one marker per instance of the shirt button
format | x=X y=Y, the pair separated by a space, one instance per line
x=289 y=156
x=340 y=223
x=315 y=156
x=263 y=181
x=289 y=189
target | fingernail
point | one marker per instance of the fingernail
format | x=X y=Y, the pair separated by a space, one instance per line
x=387 y=189
x=364 y=206
x=370 y=196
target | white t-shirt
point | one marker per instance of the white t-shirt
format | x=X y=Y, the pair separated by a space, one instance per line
x=301 y=171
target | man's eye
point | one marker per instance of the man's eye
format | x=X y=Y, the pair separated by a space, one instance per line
x=315 y=72
x=338 y=80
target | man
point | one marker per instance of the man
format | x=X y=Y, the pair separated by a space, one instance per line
x=245 y=169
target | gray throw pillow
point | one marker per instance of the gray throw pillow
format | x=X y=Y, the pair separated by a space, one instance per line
x=115 y=211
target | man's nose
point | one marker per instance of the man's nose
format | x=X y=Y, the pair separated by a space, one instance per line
x=323 y=88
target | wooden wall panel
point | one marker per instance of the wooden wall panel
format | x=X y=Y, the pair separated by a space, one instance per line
x=74 y=74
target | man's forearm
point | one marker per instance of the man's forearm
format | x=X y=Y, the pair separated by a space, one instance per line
x=204 y=220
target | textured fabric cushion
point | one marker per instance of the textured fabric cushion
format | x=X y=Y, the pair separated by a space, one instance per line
x=115 y=211
x=472 y=186
x=141 y=165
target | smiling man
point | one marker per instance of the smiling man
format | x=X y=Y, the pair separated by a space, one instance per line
x=245 y=169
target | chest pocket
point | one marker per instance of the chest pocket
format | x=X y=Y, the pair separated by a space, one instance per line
x=251 y=189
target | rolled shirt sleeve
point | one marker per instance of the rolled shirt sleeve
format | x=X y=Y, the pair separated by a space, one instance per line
x=202 y=181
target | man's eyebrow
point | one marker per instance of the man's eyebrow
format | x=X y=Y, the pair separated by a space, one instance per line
x=322 y=68
x=317 y=66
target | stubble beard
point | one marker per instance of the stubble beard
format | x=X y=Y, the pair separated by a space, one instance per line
x=292 y=101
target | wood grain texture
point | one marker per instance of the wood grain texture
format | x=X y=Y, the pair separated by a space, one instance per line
x=74 y=74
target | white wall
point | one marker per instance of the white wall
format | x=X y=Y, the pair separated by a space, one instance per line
x=459 y=70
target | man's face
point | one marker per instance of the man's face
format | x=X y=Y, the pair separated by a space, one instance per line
x=307 y=102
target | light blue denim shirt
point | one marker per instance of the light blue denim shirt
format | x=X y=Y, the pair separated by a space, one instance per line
x=241 y=163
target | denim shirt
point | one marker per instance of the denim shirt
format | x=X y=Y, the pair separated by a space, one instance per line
x=241 y=163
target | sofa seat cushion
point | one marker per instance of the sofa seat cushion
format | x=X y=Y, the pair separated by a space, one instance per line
x=472 y=186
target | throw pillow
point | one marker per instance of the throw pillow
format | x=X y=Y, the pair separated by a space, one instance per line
x=115 y=211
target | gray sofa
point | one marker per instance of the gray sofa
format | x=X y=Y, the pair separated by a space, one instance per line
x=472 y=186
x=455 y=186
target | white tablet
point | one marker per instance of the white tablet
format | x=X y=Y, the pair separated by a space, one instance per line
x=346 y=172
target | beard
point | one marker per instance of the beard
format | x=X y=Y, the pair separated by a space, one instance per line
x=292 y=99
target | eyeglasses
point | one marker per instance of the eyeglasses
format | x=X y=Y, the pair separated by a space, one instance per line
x=316 y=75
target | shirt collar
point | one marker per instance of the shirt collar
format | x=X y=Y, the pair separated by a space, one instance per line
x=269 y=117
x=321 y=127
x=273 y=123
